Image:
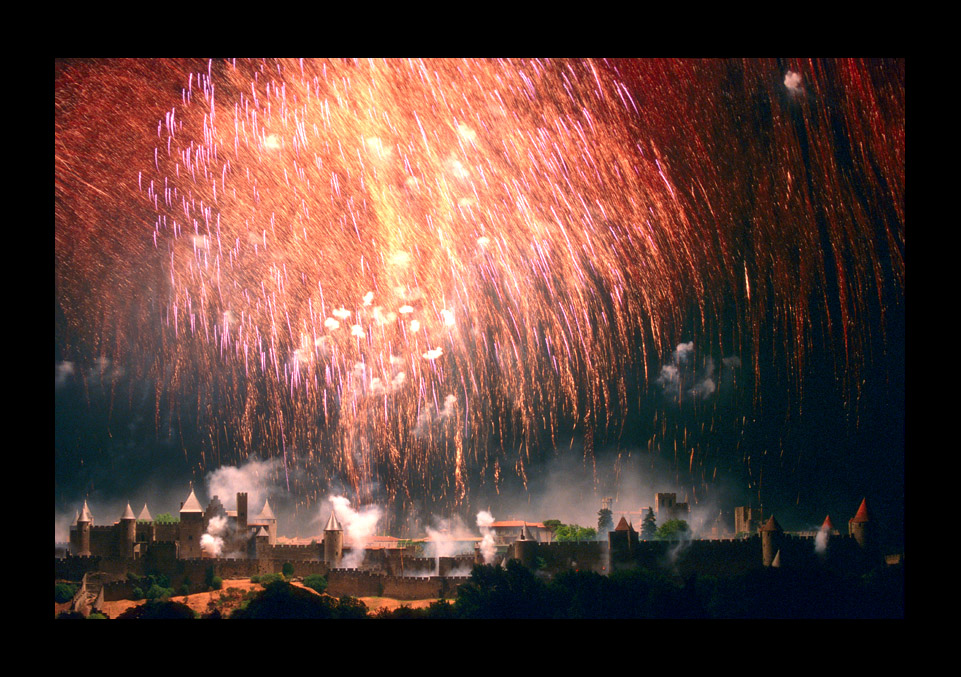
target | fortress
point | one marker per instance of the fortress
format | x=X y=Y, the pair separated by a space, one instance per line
x=231 y=544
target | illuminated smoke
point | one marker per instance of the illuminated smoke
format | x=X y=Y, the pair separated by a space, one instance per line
x=359 y=527
x=793 y=82
x=487 y=546
x=258 y=479
x=212 y=542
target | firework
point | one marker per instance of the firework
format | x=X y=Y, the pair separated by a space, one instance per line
x=406 y=274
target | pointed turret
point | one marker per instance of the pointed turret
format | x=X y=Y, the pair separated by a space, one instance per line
x=85 y=514
x=333 y=541
x=191 y=527
x=145 y=515
x=622 y=525
x=862 y=516
x=191 y=504
x=128 y=531
x=776 y=563
x=332 y=523
x=84 y=522
x=771 y=534
x=828 y=525
x=861 y=527
x=267 y=513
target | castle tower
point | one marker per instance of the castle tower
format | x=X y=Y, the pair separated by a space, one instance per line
x=145 y=528
x=84 y=522
x=267 y=516
x=242 y=516
x=860 y=527
x=333 y=541
x=128 y=533
x=771 y=536
x=261 y=543
x=191 y=527
x=525 y=547
x=622 y=542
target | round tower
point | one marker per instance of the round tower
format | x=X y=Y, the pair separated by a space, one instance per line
x=333 y=541
x=268 y=519
x=771 y=537
x=84 y=522
x=191 y=527
x=525 y=547
x=861 y=528
x=128 y=533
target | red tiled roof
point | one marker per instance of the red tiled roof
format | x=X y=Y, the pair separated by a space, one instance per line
x=516 y=523
x=622 y=525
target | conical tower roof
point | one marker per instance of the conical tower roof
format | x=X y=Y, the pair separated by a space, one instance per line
x=267 y=513
x=622 y=525
x=862 y=514
x=85 y=514
x=128 y=513
x=332 y=523
x=145 y=514
x=76 y=516
x=828 y=525
x=191 y=504
x=771 y=525
x=526 y=533
x=777 y=560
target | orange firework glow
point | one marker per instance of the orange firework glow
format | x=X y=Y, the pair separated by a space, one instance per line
x=405 y=272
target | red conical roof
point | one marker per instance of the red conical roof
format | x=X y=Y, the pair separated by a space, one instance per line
x=622 y=525
x=828 y=525
x=862 y=515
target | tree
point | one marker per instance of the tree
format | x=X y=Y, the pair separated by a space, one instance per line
x=574 y=532
x=316 y=582
x=288 y=570
x=605 y=520
x=166 y=518
x=649 y=526
x=552 y=525
x=63 y=592
x=673 y=530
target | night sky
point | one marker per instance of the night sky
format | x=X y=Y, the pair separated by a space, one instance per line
x=447 y=286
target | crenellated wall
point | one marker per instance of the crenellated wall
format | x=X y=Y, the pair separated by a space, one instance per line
x=582 y=555
x=358 y=583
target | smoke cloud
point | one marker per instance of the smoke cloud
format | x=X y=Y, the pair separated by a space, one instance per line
x=257 y=478
x=487 y=547
x=212 y=542
x=359 y=527
x=682 y=379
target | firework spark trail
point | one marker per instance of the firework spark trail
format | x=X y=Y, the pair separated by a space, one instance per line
x=409 y=270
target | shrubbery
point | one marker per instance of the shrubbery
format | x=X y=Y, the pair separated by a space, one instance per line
x=64 y=592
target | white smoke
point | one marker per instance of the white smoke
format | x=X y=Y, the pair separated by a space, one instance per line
x=431 y=415
x=821 y=542
x=212 y=542
x=359 y=527
x=793 y=82
x=487 y=547
x=64 y=371
x=256 y=478
x=677 y=377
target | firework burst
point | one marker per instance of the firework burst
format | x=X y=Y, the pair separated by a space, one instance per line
x=408 y=274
